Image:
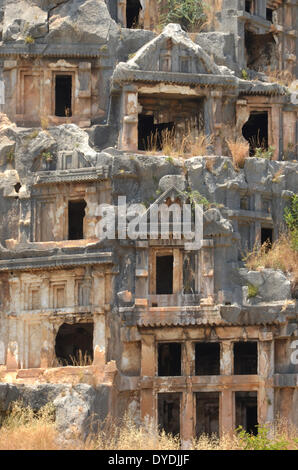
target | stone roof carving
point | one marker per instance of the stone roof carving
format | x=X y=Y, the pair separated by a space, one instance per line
x=173 y=57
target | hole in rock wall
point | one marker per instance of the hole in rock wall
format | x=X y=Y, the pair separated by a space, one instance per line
x=150 y=135
x=261 y=51
x=246 y=404
x=164 y=274
x=255 y=131
x=207 y=413
x=169 y=359
x=269 y=14
x=133 y=8
x=267 y=236
x=245 y=358
x=76 y=214
x=169 y=412
x=207 y=358
x=249 y=6
x=63 y=95
x=74 y=344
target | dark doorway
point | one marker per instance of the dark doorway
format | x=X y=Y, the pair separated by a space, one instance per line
x=207 y=358
x=169 y=412
x=169 y=359
x=248 y=6
x=267 y=237
x=207 y=413
x=133 y=8
x=76 y=214
x=245 y=358
x=63 y=95
x=164 y=274
x=150 y=135
x=269 y=14
x=74 y=344
x=247 y=411
x=255 y=131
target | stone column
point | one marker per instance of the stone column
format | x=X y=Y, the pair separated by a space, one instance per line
x=216 y=103
x=99 y=340
x=121 y=12
x=265 y=372
x=70 y=291
x=242 y=116
x=227 y=411
x=90 y=219
x=187 y=417
x=226 y=358
x=45 y=293
x=128 y=138
x=274 y=133
x=148 y=361
x=206 y=267
x=98 y=291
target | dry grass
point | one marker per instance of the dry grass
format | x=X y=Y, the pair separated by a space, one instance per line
x=25 y=430
x=282 y=77
x=22 y=429
x=184 y=147
x=280 y=256
x=239 y=149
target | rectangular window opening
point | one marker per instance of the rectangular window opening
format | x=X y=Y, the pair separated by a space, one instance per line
x=246 y=404
x=245 y=358
x=269 y=14
x=164 y=274
x=207 y=359
x=169 y=359
x=207 y=413
x=169 y=412
x=267 y=237
x=76 y=214
x=63 y=95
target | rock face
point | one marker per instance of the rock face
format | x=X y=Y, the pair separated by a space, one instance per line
x=79 y=410
x=270 y=285
x=105 y=124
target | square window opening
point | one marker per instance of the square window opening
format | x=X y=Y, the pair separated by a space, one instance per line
x=245 y=358
x=169 y=359
x=207 y=359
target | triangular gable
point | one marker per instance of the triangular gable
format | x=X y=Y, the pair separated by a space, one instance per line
x=171 y=193
x=173 y=51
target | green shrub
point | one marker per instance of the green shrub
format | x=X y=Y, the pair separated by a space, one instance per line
x=291 y=218
x=252 y=291
x=260 y=152
x=189 y=14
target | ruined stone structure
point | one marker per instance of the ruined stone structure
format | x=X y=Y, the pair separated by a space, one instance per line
x=173 y=334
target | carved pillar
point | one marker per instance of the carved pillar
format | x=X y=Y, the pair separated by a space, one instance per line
x=216 y=103
x=226 y=411
x=142 y=269
x=226 y=358
x=121 y=12
x=266 y=371
x=206 y=267
x=148 y=361
x=187 y=417
x=274 y=136
x=242 y=116
x=99 y=340
x=128 y=138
